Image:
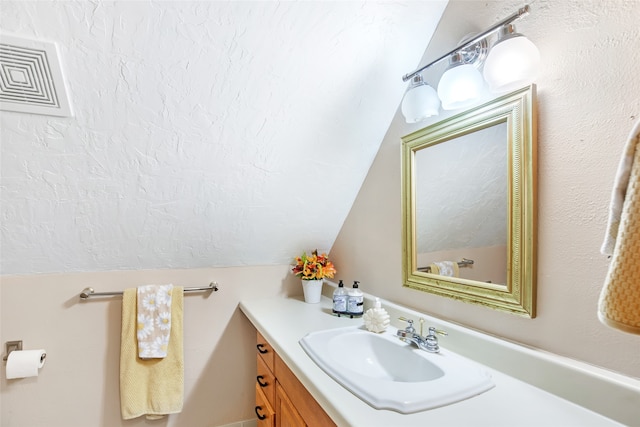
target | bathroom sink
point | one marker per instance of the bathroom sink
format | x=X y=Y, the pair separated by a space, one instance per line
x=388 y=373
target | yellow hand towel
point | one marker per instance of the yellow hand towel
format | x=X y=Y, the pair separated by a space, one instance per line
x=151 y=387
x=619 y=304
x=434 y=269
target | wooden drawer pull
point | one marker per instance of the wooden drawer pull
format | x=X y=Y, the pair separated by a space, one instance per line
x=258 y=414
x=259 y=378
x=261 y=349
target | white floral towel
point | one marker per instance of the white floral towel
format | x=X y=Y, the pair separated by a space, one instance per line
x=154 y=320
x=445 y=268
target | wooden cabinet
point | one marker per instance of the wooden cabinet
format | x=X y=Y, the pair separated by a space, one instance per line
x=281 y=400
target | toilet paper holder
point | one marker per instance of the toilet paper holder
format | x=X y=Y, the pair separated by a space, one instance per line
x=12 y=346
x=17 y=346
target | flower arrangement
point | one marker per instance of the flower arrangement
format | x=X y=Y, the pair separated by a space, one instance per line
x=313 y=267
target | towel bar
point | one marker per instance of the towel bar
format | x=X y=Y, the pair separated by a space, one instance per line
x=89 y=292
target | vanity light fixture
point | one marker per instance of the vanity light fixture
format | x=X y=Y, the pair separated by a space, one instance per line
x=420 y=101
x=511 y=63
x=460 y=85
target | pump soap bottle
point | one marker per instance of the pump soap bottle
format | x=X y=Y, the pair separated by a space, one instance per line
x=355 y=301
x=340 y=300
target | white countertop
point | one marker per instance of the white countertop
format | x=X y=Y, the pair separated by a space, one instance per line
x=283 y=321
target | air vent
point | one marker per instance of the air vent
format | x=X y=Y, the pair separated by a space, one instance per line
x=31 y=79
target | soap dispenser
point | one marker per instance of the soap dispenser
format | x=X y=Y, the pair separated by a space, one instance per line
x=340 y=300
x=355 y=301
x=376 y=319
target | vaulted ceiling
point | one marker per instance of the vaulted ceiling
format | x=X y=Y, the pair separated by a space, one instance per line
x=204 y=133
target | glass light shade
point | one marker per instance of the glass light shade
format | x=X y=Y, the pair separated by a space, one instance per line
x=460 y=86
x=511 y=64
x=420 y=101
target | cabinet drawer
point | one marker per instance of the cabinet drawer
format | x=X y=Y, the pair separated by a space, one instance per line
x=265 y=380
x=264 y=411
x=265 y=351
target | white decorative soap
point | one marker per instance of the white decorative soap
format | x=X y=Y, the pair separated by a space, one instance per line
x=376 y=319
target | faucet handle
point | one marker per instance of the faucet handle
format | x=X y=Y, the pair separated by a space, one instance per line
x=431 y=340
x=434 y=331
x=409 y=327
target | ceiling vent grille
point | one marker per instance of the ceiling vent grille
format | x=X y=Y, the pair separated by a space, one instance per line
x=31 y=79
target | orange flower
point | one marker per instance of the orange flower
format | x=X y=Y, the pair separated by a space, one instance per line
x=314 y=267
x=329 y=270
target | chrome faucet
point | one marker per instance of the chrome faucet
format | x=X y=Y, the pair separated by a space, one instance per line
x=428 y=343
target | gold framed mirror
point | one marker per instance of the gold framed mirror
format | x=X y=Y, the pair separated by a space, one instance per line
x=469 y=205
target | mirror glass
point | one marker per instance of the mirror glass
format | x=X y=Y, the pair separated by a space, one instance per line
x=469 y=205
x=461 y=204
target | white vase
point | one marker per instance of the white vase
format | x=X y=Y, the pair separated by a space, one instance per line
x=312 y=291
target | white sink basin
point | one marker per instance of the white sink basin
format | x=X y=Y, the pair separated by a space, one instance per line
x=390 y=374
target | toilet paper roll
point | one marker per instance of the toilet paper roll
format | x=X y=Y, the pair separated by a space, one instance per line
x=25 y=363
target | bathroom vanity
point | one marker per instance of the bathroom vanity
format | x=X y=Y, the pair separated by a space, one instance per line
x=282 y=322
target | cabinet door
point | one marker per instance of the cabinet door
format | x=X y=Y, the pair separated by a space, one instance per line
x=303 y=402
x=264 y=412
x=287 y=414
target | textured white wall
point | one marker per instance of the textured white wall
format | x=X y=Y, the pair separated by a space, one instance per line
x=206 y=133
x=588 y=101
